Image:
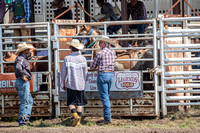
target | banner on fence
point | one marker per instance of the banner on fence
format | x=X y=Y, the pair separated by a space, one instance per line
x=7 y=83
x=122 y=81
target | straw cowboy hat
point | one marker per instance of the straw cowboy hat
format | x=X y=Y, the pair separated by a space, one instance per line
x=57 y=3
x=23 y=46
x=76 y=44
x=105 y=39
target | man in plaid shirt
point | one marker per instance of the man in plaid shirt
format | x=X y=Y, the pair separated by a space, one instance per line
x=105 y=61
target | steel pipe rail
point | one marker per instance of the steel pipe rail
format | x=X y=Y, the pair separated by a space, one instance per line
x=182 y=64
x=32 y=42
x=175 y=98
x=110 y=23
x=172 y=46
x=179 y=35
x=181 y=31
x=182 y=91
x=181 y=19
x=185 y=73
x=182 y=86
x=181 y=104
x=178 y=78
x=177 y=51
x=21 y=37
x=182 y=59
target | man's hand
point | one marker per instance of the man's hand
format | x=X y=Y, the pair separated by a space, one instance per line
x=25 y=79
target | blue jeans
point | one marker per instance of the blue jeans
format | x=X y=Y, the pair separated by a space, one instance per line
x=104 y=81
x=140 y=28
x=26 y=100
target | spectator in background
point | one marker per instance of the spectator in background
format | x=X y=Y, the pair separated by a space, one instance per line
x=137 y=10
x=73 y=74
x=2 y=10
x=61 y=8
x=21 y=13
x=107 y=10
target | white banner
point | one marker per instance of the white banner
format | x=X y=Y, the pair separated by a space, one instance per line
x=122 y=81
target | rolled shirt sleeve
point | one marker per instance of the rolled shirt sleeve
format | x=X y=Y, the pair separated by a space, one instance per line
x=94 y=64
x=19 y=68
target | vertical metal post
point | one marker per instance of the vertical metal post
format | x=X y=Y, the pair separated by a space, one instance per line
x=124 y=17
x=2 y=105
x=188 y=8
x=87 y=5
x=1 y=48
x=183 y=8
x=56 y=56
x=105 y=29
x=176 y=9
x=156 y=8
x=76 y=12
x=49 y=59
x=131 y=105
x=155 y=57
x=163 y=68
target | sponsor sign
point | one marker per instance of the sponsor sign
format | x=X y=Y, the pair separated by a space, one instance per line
x=122 y=81
x=7 y=83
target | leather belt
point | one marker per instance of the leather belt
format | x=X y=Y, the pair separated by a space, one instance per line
x=105 y=71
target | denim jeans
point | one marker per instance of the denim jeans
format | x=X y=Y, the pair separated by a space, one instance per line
x=26 y=100
x=104 y=81
x=140 y=27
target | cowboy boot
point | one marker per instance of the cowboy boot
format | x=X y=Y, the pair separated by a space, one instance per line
x=77 y=119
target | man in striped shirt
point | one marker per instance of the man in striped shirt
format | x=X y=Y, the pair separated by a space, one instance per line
x=74 y=73
x=105 y=61
x=21 y=13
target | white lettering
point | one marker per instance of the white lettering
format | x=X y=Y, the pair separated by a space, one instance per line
x=7 y=84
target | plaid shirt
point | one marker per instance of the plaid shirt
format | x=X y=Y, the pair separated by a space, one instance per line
x=27 y=10
x=74 y=71
x=104 y=60
x=137 y=12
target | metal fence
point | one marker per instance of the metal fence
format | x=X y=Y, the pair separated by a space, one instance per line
x=177 y=59
x=148 y=105
x=41 y=77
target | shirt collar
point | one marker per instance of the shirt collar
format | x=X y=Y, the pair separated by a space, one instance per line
x=75 y=53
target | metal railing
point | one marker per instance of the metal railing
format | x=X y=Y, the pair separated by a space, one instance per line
x=149 y=36
x=9 y=44
x=171 y=92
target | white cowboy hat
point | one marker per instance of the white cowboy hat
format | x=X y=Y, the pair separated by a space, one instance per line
x=75 y=43
x=23 y=46
x=105 y=39
x=57 y=3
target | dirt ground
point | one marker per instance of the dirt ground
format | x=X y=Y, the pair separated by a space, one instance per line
x=172 y=124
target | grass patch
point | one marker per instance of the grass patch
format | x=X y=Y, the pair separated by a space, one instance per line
x=43 y=124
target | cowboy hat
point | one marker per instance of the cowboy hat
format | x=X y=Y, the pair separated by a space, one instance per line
x=76 y=44
x=57 y=3
x=23 y=46
x=105 y=39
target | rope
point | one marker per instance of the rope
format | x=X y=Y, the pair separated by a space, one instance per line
x=151 y=71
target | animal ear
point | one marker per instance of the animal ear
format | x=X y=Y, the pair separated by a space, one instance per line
x=84 y=26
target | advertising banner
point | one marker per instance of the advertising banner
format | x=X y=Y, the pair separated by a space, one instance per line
x=122 y=81
x=7 y=83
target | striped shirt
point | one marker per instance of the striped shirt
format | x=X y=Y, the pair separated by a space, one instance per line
x=137 y=12
x=27 y=10
x=104 y=60
x=74 y=71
